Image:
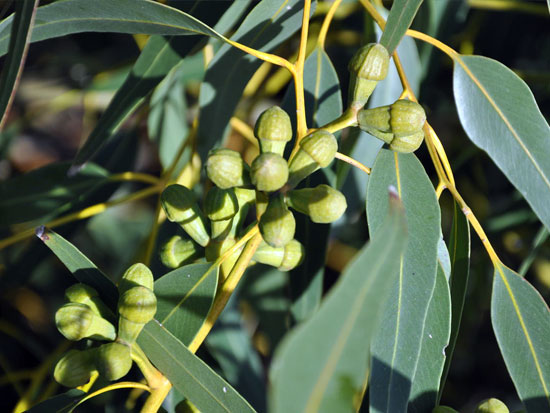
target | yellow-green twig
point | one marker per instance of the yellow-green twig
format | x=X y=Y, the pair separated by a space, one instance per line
x=326 y=24
x=135 y=177
x=352 y=162
x=510 y=5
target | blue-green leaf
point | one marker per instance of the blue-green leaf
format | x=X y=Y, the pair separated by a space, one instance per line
x=62 y=403
x=401 y=16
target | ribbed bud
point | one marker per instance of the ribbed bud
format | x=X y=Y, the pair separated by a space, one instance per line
x=178 y=251
x=323 y=204
x=399 y=125
x=226 y=168
x=273 y=130
x=277 y=224
x=367 y=67
x=216 y=248
x=269 y=172
x=492 y=406
x=84 y=294
x=136 y=307
x=180 y=206
x=75 y=368
x=221 y=204
x=317 y=150
x=113 y=360
x=136 y=275
x=284 y=258
x=77 y=321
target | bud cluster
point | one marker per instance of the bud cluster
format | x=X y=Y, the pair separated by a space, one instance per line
x=85 y=316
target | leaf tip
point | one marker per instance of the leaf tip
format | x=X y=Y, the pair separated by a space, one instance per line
x=42 y=233
x=74 y=170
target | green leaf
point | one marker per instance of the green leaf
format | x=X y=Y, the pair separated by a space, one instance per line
x=79 y=265
x=268 y=25
x=23 y=16
x=459 y=251
x=62 y=403
x=189 y=374
x=184 y=298
x=521 y=322
x=45 y=192
x=434 y=343
x=322 y=364
x=401 y=16
x=396 y=347
x=501 y=116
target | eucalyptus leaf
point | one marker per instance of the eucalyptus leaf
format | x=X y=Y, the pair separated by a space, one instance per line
x=189 y=374
x=62 y=403
x=322 y=365
x=399 y=20
x=184 y=297
x=521 y=322
x=501 y=116
x=397 y=345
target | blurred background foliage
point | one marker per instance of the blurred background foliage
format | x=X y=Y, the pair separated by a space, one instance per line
x=67 y=84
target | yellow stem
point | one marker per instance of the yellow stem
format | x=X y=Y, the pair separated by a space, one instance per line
x=115 y=386
x=440 y=188
x=135 y=176
x=267 y=57
x=326 y=24
x=352 y=162
x=245 y=130
x=453 y=54
x=157 y=396
x=86 y=387
x=82 y=214
x=298 y=75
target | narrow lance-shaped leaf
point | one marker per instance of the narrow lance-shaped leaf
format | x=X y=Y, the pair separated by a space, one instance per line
x=13 y=64
x=189 y=374
x=521 y=322
x=501 y=116
x=62 y=403
x=401 y=16
x=79 y=265
x=396 y=346
x=321 y=366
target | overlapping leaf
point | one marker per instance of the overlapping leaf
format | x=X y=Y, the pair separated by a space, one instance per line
x=62 y=403
x=399 y=20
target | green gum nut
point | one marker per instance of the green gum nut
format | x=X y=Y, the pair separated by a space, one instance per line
x=269 y=172
x=323 y=204
x=178 y=251
x=180 y=206
x=77 y=321
x=492 y=406
x=136 y=275
x=221 y=205
x=113 y=360
x=317 y=150
x=284 y=258
x=84 y=294
x=367 y=67
x=273 y=130
x=277 y=224
x=75 y=368
x=136 y=307
x=226 y=168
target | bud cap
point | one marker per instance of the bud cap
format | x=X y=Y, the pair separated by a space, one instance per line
x=136 y=275
x=492 y=406
x=113 y=360
x=269 y=172
x=138 y=304
x=226 y=168
x=323 y=203
x=273 y=130
x=277 y=224
x=178 y=251
x=370 y=62
x=221 y=204
x=77 y=321
x=75 y=368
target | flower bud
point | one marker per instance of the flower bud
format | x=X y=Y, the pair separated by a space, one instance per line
x=269 y=172
x=178 y=251
x=323 y=203
x=221 y=205
x=492 y=406
x=136 y=307
x=226 y=168
x=317 y=150
x=180 y=206
x=75 y=368
x=367 y=67
x=285 y=258
x=216 y=249
x=77 y=321
x=84 y=294
x=273 y=130
x=113 y=360
x=399 y=125
x=136 y=275
x=277 y=224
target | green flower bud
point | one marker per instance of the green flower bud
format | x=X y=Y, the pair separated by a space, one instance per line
x=226 y=168
x=216 y=248
x=367 y=67
x=113 y=360
x=180 y=206
x=399 y=125
x=77 y=321
x=269 y=172
x=178 y=251
x=323 y=203
x=221 y=205
x=136 y=275
x=84 y=294
x=444 y=409
x=136 y=306
x=273 y=130
x=317 y=150
x=285 y=258
x=75 y=368
x=492 y=406
x=277 y=224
